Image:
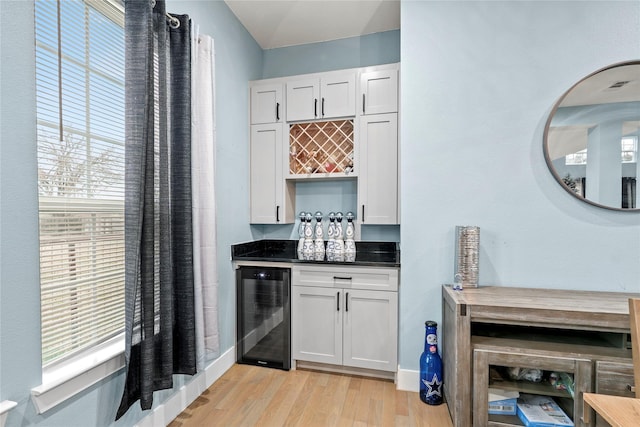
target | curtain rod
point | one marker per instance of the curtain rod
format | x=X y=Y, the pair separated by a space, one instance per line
x=173 y=21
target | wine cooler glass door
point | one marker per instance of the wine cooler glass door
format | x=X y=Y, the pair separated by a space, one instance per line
x=263 y=317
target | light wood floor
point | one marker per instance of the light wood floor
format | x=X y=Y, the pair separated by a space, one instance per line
x=254 y=396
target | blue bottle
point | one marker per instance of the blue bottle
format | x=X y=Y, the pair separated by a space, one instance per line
x=431 y=367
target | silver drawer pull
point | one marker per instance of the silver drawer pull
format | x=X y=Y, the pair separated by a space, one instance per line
x=341 y=278
x=631 y=388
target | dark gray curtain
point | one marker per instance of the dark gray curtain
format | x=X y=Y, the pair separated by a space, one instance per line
x=159 y=291
x=628 y=193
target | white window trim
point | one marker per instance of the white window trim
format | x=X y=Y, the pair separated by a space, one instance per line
x=5 y=407
x=65 y=379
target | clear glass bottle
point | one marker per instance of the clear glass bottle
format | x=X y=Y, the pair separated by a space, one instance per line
x=431 y=367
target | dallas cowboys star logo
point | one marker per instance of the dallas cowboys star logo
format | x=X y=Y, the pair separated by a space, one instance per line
x=433 y=386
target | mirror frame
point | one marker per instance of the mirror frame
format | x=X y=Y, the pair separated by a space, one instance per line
x=545 y=145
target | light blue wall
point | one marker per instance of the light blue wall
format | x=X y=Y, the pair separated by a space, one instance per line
x=238 y=60
x=352 y=52
x=19 y=288
x=478 y=81
x=327 y=196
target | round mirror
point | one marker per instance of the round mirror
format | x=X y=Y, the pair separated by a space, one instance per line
x=591 y=138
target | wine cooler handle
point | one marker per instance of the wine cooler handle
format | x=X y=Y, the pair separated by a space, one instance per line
x=346 y=302
x=338 y=303
x=277 y=111
x=315 y=107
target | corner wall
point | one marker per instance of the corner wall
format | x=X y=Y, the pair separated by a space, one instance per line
x=479 y=79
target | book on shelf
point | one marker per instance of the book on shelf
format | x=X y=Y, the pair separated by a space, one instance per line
x=502 y=402
x=541 y=411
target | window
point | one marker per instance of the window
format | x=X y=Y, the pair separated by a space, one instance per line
x=80 y=131
x=578 y=158
x=628 y=146
x=629 y=149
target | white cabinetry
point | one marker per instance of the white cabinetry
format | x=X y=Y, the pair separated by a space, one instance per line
x=345 y=316
x=378 y=175
x=266 y=103
x=329 y=96
x=272 y=198
x=313 y=127
x=379 y=91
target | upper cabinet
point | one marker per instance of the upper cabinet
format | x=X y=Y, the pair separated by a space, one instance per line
x=329 y=96
x=330 y=125
x=266 y=103
x=271 y=197
x=379 y=92
x=378 y=160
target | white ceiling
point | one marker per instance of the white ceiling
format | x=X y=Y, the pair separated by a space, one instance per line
x=600 y=88
x=280 y=23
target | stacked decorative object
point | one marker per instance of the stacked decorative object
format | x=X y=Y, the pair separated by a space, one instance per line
x=338 y=246
x=467 y=254
x=331 y=237
x=349 y=243
x=308 y=249
x=318 y=243
x=301 y=227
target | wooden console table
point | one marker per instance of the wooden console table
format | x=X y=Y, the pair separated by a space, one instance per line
x=585 y=333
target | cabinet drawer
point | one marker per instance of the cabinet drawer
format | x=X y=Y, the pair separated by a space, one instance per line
x=373 y=278
x=614 y=378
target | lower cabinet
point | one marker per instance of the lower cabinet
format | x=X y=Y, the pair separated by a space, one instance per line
x=491 y=356
x=337 y=322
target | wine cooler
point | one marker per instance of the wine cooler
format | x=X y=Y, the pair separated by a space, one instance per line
x=263 y=316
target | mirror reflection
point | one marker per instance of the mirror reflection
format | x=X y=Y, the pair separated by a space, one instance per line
x=591 y=138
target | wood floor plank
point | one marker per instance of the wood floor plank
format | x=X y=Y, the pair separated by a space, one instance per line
x=255 y=396
x=278 y=411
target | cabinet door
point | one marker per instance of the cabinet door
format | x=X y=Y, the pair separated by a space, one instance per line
x=338 y=96
x=379 y=92
x=266 y=174
x=370 y=329
x=266 y=104
x=378 y=176
x=302 y=99
x=316 y=324
x=614 y=378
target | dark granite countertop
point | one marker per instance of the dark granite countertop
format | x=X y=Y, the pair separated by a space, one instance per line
x=381 y=254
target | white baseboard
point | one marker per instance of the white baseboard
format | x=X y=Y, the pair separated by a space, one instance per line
x=172 y=407
x=408 y=380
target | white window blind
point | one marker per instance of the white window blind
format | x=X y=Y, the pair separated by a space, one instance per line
x=80 y=131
